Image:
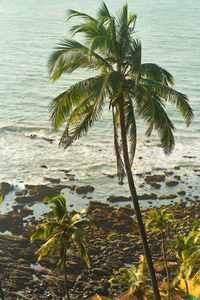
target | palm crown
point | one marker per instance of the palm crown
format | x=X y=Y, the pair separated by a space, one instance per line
x=142 y=89
x=59 y=232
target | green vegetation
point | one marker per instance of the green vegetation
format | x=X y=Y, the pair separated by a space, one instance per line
x=130 y=88
x=136 y=280
x=159 y=220
x=59 y=232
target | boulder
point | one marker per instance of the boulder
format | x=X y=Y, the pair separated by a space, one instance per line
x=154 y=185
x=5 y=187
x=38 y=193
x=53 y=180
x=116 y=199
x=181 y=192
x=171 y=182
x=84 y=189
x=154 y=178
x=147 y=196
x=171 y=196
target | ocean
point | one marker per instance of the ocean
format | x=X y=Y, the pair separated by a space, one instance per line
x=169 y=32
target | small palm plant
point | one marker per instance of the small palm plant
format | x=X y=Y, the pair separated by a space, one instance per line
x=135 y=279
x=191 y=255
x=59 y=232
x=159 y=220
x=176 y=247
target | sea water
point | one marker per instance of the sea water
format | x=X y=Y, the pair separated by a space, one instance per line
x=29 y=31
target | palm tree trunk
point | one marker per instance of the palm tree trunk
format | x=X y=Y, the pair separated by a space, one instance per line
x=135 y=201
x=186 y=286
x=1 y=292
x=65 y=275
x=165 y=260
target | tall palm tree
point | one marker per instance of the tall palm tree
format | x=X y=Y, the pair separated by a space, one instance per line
x=130 y=88
x=60 y=232
x=159 y=220
x=135 y=279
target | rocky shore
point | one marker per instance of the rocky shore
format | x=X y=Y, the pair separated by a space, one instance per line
x=114 y=243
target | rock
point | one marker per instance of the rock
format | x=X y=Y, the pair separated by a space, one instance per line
x=93 y=205
x=84 y=189
x=177 y=168
x=171 y=196
x=171 y=182
x=4 y=222
x=154 y=178
x=181 y=192
x=38 y=193
x=109 y=175
x=71 y=187
x=116 y=199
x=53 y=180
x=26 y=212
x=154 y=185
x=126 y=210
x=5 y=187
x=100 y=272
x=177 y=177
x=168 y=173
x=21 y=193
x=147 y=196
x=43 y=167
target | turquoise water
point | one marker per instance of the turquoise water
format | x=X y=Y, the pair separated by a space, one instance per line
x=169 y=31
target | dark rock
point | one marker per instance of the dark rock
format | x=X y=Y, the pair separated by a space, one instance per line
x=43 y=167
x=181 y=192
x=154 y=178
x=171 y=182
x=53 y=180
x=177 y=177
x=21 y=193
x=84 y=189
x=171 y=196
x=38 y=193
x=100 y=272
x=154 y=185
x=168 y=173
x=115 y=199
x=147 y=196
x=71 y=187
x=5 y=187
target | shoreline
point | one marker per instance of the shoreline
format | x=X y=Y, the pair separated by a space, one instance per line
x=115 y=244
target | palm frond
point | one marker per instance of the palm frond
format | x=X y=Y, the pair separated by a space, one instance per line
x=155 y=72
x=60 y=210
x=46 y=247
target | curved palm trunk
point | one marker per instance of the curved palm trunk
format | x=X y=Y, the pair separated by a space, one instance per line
x=135 y=201
x=65 y=275
x=165 y=260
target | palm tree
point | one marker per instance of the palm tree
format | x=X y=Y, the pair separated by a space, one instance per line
x=160 y=221
x=60 y=232
x=130 y=88
x=136 y=280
